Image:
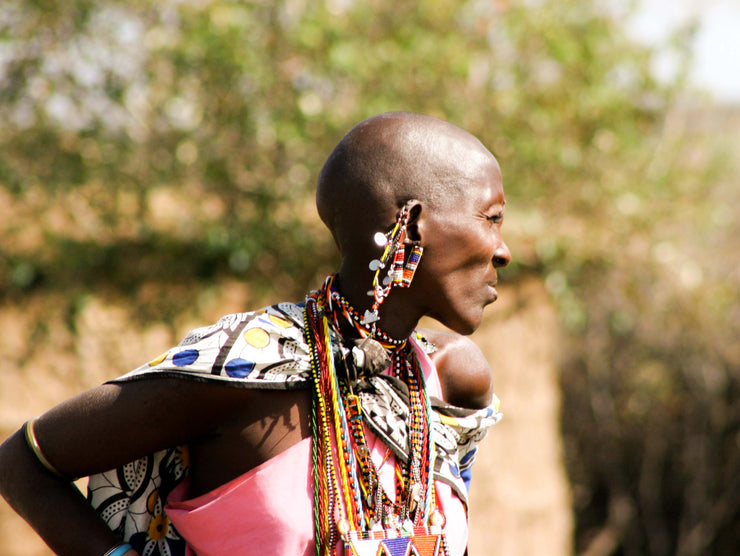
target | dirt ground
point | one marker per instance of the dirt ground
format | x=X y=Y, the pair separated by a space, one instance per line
x=520 y=500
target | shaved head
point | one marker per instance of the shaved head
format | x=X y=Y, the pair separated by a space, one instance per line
x=387 y=160
x=448 y=188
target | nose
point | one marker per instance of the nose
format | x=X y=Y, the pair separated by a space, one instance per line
x=501 y=256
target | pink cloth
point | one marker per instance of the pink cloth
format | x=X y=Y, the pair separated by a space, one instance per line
x=265 y=511
x=269 y=509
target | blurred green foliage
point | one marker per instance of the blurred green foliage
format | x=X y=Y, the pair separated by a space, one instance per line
x=178 y=143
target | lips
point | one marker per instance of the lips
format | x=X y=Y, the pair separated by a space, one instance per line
x=493 y=293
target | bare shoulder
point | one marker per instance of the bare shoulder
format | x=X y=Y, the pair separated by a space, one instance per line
x=463 y=370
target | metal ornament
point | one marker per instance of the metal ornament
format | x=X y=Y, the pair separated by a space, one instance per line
x=380 y=239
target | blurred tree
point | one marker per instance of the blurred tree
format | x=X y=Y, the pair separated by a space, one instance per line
x=178 y=141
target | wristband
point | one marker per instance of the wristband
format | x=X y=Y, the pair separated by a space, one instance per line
x=119 y=550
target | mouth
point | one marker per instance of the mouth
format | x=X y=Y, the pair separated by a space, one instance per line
x=493 y=294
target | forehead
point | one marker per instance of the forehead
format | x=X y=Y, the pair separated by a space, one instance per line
x=479 y=183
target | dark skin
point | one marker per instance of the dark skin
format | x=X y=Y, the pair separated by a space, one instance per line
x=231 y=430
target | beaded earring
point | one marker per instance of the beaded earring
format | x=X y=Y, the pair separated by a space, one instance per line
x=396 y=272
x=410 y=269
x=392 y=259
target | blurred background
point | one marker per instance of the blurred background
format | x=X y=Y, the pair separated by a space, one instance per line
x=157 y=166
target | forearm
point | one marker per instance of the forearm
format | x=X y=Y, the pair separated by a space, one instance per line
x=57 y=510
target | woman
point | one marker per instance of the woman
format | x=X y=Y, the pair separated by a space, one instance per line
x=303 y=428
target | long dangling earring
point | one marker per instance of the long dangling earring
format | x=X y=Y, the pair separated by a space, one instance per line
x=410 y=269
x=392 y=260
x=396 y=272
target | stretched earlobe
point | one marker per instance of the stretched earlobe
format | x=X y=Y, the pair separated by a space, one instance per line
x=413 y=232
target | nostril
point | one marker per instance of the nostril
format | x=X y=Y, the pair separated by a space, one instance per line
x=499 y=261
x=501 y=256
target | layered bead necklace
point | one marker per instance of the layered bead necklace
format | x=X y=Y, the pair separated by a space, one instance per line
x=350 y=502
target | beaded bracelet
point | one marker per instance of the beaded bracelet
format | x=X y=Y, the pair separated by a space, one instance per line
x=119 y=550
x=33 y=443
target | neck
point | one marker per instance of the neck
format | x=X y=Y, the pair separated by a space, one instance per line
x=397 y=318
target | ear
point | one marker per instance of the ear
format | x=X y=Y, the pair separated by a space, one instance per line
x=413 y=231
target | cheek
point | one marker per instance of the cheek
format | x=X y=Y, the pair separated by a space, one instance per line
x=472 y=267
x=459 y=270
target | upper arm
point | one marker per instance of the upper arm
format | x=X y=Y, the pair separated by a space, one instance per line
x=463 y=370
x=116 y=423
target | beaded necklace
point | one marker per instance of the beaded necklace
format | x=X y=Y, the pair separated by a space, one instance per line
x=349 y=500
x=352 y=316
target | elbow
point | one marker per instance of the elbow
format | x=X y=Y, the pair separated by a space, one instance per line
x=11 y=462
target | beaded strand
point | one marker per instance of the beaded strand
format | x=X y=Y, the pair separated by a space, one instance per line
x=348 y=479
x=324 y=479
x=365 y=331
x=419 y=417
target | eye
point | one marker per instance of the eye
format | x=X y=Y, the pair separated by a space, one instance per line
x=497 y=218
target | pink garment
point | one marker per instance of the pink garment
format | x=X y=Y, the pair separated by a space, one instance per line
x=269 y=509
x=265 y=511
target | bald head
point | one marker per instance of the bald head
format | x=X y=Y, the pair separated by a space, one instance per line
x=385 y=161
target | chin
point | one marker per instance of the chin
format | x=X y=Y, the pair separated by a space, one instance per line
x=464 y=327
x=468 y=328
x=463 y=320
